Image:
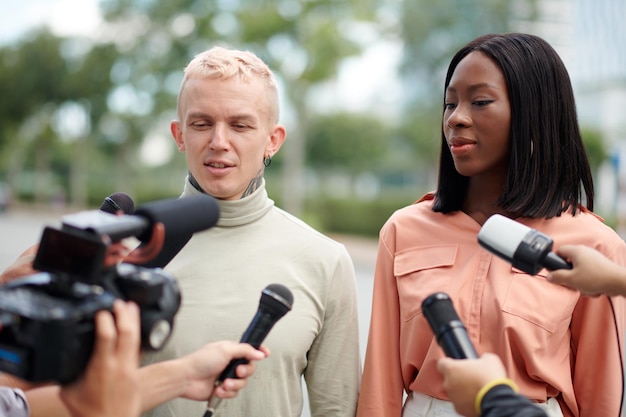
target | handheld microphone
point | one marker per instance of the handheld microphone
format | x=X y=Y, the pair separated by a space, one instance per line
x=172 y=244
x=448 y=328
x=175 y=239
x=525 y=248
x=276 y=301
x=180 y=216
x=118 y=202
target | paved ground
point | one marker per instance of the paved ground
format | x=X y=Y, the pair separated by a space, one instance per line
x=362 y=250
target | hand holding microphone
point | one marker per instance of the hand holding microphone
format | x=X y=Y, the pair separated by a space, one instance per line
x=466 y=382
x=276 y=300
x=525 y=248
x=592 y=273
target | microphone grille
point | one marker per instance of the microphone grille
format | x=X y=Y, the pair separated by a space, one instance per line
x=276 y=298
x=116 y=202
x=439 y=312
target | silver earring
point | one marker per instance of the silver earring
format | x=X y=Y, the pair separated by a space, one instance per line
x=267 y=161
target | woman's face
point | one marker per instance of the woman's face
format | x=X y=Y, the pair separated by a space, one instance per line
x=477 y=117
x=226 y=131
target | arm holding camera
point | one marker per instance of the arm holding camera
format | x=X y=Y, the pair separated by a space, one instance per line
x=108 y=386
x=22 y=266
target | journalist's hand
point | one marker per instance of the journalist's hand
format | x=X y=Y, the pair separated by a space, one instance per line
x=592 y=273
x=193 y=376
x=203 y=367
x=463 y=378
x=22 y=266
x=110 y=385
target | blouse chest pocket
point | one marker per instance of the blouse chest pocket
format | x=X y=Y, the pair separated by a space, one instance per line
x=420 y=272
x=538 y=301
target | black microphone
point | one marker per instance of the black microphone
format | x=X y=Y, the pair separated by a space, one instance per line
x=448 y=328
x=180 y=216
x=276 y=301
x=525 y=248
x=176 y=239
x=118 y=202
x=172 y=244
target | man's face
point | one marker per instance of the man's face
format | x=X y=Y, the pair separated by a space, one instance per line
x=225 y=131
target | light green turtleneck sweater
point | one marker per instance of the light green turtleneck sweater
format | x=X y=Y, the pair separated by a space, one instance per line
x=221 y=273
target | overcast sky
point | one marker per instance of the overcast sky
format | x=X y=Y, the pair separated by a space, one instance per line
x=362 y=83
x=65 y=17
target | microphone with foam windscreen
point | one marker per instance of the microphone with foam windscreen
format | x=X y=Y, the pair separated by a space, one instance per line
x=203 y=216
x=117 y=202
x=525 y=248
x=276 y=301
x=175 y=236
x=448 y=328
x=180 y=216
x=172 y=244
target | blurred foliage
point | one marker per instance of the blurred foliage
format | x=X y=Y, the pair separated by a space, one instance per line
x=594 y=145
x=78 y=114
x=354 y=142
x=433 y=29
x=349 y=216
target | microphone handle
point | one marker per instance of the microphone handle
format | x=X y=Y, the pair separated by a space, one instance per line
x=554 y=261
x=257 y=331
x=447 y=327
x=213 y=404
x=456 y=344
x=276 y=300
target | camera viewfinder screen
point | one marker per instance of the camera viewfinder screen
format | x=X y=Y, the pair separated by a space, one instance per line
x=80 y=255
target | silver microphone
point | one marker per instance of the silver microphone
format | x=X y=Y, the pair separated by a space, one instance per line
x=525 y=248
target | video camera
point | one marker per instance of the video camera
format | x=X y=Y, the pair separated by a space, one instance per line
x=48 y=330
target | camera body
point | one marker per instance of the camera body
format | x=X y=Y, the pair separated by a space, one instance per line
x=48 y=330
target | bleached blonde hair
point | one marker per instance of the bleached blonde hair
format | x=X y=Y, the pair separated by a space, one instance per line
x=219 y=63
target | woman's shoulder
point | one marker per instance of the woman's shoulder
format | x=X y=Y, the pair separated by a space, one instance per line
x=423 y=204
x=419 y=214
x=584 y=224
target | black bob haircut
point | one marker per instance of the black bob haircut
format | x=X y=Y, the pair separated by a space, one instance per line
x=548 y=165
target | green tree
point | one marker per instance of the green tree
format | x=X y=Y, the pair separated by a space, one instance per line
x=594 y=145
x=304 y=42
x=354 y=143
x=432 y=30
x=57 y=90
x=29 y=104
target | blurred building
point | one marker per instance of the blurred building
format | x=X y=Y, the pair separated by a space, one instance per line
x=598 y=72
x=591 y=38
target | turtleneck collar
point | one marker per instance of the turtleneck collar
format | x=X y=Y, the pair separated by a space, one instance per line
x=237 y=212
